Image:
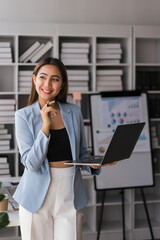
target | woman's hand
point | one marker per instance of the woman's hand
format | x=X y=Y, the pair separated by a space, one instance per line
x=47 y=113
x=97 y=167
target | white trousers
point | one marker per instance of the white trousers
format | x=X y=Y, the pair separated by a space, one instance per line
x=56 y=219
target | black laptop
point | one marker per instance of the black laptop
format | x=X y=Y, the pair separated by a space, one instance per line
x=120 y=147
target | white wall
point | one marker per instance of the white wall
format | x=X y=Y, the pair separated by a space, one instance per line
x=82 y=11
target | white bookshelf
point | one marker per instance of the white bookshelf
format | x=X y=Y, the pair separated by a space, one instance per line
x=21 y=36
x=146 y=58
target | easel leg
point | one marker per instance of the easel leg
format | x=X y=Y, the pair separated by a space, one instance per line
x=101 y=215
x=123 y=214
x=147 y=214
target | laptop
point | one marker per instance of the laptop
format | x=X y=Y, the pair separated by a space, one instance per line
x=120 y=147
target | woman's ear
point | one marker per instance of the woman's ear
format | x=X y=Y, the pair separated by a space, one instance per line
x=34 y=78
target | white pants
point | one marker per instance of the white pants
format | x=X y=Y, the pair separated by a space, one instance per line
x=56 y=219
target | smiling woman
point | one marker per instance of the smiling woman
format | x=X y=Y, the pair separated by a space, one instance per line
x=49 y=133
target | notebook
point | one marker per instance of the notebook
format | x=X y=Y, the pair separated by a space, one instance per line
x=120 y=147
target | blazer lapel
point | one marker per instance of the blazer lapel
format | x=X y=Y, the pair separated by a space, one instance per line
x=67 y=117
x=37 y=115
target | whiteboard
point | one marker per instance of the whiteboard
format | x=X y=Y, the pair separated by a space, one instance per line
x=109 y=109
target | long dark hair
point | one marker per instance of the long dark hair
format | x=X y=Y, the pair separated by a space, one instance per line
x=62 y=96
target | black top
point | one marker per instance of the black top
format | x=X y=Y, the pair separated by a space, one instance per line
x=59 y=148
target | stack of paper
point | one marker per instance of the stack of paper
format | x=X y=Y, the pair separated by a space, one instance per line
x=78 y=80
x=109 y=53
x=109 y=80
x=5 y=52
x=7 y=113
x=24 y=80
x=35 y=52
x=4 y=167
x=74 y=53
x=87 y=132
x=5 y=138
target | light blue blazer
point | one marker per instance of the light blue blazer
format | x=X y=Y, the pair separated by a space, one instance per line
x=33 y=146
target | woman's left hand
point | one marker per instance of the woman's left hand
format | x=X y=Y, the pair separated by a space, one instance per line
x=97 y=167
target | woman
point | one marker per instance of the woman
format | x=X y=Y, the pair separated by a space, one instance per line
x=49 y=132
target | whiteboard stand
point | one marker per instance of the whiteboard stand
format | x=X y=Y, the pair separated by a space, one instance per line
x=101 y=214
x=123 y=213
x=147 y=213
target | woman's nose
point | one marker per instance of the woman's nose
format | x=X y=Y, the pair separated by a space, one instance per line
x=48 y=83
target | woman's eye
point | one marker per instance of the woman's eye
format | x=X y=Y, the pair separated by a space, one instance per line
x=42 y=77
x=55 y=79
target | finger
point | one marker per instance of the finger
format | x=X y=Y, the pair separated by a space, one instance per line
x=47 y=104
x=52 y=102
x=95 y=167
x=114 y=162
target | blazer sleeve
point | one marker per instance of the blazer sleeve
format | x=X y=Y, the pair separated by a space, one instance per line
x=33 y=151
x=84 y=152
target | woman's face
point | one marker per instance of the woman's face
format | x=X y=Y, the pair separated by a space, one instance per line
x=48 y=83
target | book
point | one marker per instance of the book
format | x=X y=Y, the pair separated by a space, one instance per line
x=5 y=55
x=3 y=159
x=5 y=44
x=75 y=50
x=79 y=88
x=110 y=72
x=7 y=101
x=107 y=84
x=5 y=60
x=7 y=107
x=4 y=148
x=5 y=176
x=2 y=126
x=5 y=119
x=109 y=88
x=109 y=61
x=74 y=45
x=4 y=171
x=77 y=72
x=24 y=84
x=78 y=83
x=108 y=56
x=3 y=131
x=75 y=61
x=4 y=165
x=24 y=89
x=4 y=142
x=25 y=73
x=25 y=79
x=87 y=131
x=78 y=77
x=108 y=45
x=29 y=51
x=5 y=136
x=109 y=51
x=41 y=52
x=7 y=113
x=109 y=78
x=5 y=50
x=33 y=53
x=74 y=56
